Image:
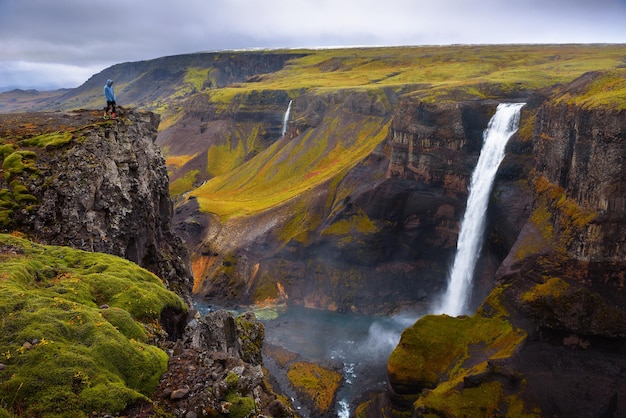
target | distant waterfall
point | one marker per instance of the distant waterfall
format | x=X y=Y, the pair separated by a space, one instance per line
x=501 y=127
x=286 y=119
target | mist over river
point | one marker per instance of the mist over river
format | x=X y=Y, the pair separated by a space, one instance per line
x=358 y=346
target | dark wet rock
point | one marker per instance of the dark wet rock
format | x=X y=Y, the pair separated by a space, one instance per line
x=218 y=363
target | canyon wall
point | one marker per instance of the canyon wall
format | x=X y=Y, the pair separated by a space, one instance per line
x=551 y=332
x=386 y=227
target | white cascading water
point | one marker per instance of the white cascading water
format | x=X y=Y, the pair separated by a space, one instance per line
x=286 y=119
x=501 y=127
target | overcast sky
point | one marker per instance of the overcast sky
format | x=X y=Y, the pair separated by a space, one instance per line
x=49 y=44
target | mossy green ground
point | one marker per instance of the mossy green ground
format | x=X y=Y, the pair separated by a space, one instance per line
x=82 y=358
x=439 y=351
x=315 y=383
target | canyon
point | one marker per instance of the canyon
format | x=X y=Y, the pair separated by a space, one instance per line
x=347 y=198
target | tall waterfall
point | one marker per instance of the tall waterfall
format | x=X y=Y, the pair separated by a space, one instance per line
x=501 y=127
x=286 y=119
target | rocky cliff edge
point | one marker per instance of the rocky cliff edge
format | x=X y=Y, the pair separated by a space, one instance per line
x=74 y=179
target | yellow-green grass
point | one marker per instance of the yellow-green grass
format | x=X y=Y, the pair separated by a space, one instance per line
x=184 y=184
x=288 y=168
x=83 y=356
x=239 y=143
x=607 y=90
x=177 y=161
x=432 y=73
x=533 y=66
x=438 y=346
x=195 y=77
x=430 y=70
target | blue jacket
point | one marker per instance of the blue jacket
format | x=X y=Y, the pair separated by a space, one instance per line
x=108 y=91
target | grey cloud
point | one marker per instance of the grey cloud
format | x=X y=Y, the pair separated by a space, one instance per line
x=78 y=33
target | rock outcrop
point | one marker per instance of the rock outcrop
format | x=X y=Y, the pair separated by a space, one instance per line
x=73 y=179
x=94 y=185
x=216 y=370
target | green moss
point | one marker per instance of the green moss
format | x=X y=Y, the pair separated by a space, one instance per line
x=50 y=140
x=525 y=131
x=232 y=380
x=553 y=288
x=240 y=406
x=50 y=297
x=315 y=383
x=17 y=162
x=558 y=218
x=301 y=224
x=20 y=193
x=196 y=77
x=5 y=150
x=265 y=291
x=358 y=223
x=436 y=347
x=223 y=158
x=185 y=184
x=438 y=352
x=486 y=400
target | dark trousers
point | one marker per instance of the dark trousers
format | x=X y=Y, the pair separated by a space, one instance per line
x=111 y=105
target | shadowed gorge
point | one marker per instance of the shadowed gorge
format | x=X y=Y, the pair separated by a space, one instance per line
x=324 y=190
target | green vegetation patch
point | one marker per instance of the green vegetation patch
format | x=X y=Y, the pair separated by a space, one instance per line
x=13 y=193
x=18 y=162
x=608 y=89
x=438 y=352
x=289 y=168
x=317 y=384
x=185 y=184
x=196 y=77
x=558 y=217
x=436 y=348
x=358 y=223
x=50 y=140
x=75 y=329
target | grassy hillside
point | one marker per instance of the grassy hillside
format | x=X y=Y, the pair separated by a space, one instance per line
x=290 y=167
x=448 y=73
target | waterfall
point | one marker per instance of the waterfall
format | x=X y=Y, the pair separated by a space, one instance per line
x=501 y=127
x=286 y=119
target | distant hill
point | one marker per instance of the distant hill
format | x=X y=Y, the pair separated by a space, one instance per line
x=28 y=100
x=153 y=84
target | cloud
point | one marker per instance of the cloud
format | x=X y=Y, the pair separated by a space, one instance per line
x=43 y=76
x=91 y=34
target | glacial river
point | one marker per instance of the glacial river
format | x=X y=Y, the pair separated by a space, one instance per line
x=360 y=345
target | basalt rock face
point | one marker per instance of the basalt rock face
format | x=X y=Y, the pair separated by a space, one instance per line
x=104 y=189
x=582 y=151
x=433 y=149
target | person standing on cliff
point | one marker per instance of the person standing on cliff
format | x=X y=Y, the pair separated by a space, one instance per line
x=109 y=94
